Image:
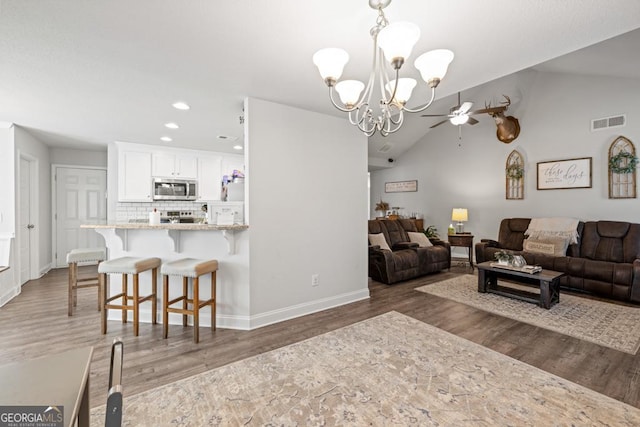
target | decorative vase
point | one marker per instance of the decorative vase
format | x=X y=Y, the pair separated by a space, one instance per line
x=519 y=261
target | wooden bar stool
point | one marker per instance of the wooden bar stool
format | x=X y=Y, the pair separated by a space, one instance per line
x=189 y=268
x=126 y=266
x=74 y=257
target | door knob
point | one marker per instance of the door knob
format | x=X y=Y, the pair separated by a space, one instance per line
x=30 y=226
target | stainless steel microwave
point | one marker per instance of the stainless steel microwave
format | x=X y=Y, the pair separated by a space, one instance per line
x=174 y=189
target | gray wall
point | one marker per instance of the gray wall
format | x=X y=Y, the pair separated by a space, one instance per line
x=307 y=195
x=555 y=111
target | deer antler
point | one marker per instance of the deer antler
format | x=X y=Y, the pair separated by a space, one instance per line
x=507 y=102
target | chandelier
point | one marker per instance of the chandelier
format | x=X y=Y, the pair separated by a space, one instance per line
x=393 y=42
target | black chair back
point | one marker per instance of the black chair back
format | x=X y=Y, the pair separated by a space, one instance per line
x=113 y=417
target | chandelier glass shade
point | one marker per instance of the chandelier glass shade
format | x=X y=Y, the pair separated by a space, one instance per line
x=392 y=44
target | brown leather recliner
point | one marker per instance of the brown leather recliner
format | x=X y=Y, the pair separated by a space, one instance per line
x=405 y=260
x=604 y=262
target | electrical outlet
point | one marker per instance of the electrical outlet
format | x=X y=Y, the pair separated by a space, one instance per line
x=315 y=280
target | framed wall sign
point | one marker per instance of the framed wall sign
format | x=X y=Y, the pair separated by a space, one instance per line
x=565 y=174
x=400 y=186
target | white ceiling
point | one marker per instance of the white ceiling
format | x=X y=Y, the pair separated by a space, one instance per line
x=82 y=73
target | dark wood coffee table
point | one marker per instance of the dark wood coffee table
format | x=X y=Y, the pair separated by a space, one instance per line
x=547 y=280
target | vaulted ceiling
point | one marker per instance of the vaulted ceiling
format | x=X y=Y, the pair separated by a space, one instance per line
x=82 y=74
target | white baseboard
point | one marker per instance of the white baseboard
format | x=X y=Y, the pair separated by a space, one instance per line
x=294 y=311
x=44 y=270
x=9 y=295
x=251 y=322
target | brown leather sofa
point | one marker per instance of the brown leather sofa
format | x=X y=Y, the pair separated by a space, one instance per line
x=405 y=260
x=604 y=262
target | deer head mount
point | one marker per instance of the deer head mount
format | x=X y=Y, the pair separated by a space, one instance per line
x=508 y=127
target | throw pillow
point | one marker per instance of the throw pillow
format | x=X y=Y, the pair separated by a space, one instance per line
x=555 y=246
x=419 y=238
x=379 y=240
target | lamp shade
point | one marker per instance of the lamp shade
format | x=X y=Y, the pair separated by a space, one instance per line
x=459 y=214
x=330 y=62
x=434 y=64
x=397 y=40
x=403 y=91
x=349 y=91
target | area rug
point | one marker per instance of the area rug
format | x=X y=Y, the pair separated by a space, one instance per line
x=607 y=324
x=384 y=371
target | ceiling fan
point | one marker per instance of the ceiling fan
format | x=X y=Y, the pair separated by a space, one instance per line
x=459 y=114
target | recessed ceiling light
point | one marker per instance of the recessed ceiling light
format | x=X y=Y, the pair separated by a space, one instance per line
x=166 y=139
x=181 y=105
x=171 y=125
x=237 y=147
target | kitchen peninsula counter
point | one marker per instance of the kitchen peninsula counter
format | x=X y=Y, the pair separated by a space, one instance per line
x=228 y=244
x=122 y=231
x=168 y=226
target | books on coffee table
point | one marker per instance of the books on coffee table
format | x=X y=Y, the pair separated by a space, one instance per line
x=531 y=269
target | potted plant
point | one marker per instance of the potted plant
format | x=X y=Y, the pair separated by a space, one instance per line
x=503 y=257
x=382 y=208
x=432 y=233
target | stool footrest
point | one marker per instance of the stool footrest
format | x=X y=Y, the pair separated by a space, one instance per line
x=118 y=307
x=120 y=295
x=207 y=302
x=179 y=310
x=86 y=285
x=143 y=299
x=189 y=301
x=175 y=300
x=87 y=279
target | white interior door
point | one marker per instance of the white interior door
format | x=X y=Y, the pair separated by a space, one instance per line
x=25 y=224
x=80 y=199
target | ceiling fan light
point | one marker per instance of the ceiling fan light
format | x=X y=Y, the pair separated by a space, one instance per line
x=330 y=62
x=397 y=40
x=433 y=65
x=349 y=91
x=459 y=119
x=404 y=90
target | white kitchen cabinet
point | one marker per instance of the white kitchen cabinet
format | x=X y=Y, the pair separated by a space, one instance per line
x=170 y=165
x=209 y=177
x=134 y=176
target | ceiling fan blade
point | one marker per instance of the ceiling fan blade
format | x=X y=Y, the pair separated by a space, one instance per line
x=472 y=121
x=465 y=107
x=439 y=123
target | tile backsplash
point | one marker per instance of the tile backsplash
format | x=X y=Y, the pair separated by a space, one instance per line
x=127 y=211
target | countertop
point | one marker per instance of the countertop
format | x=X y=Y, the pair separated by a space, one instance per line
x=167 y=226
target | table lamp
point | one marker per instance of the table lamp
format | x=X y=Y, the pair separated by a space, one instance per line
x=460 y=215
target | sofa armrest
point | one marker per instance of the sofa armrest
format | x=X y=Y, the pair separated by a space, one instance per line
x=404 y=245
x=438 y=242
x=482 y=250
x=490 y=243
x=635 y=283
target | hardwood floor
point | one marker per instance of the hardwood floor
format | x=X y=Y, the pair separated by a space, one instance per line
x=36 y=323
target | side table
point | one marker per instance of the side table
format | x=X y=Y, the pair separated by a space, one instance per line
x=464 y=240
